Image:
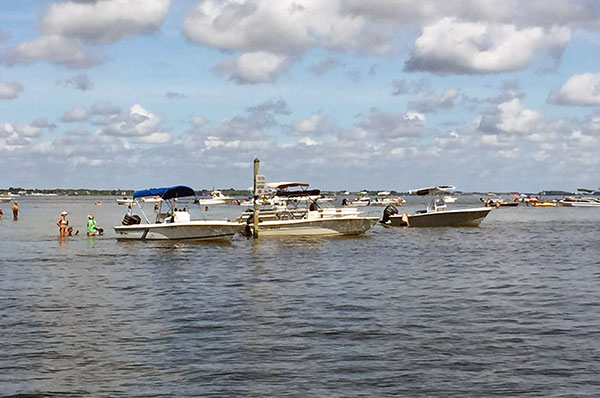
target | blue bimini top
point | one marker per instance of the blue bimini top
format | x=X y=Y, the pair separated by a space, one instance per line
x=177 y=191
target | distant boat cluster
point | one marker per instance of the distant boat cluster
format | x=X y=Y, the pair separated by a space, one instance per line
x=287 y=208
x=292 y=209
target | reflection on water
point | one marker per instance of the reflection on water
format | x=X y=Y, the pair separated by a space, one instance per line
x=510 y=308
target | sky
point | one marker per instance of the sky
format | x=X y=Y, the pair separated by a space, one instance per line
x=498 y=95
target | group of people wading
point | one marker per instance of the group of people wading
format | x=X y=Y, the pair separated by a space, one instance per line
x=15 y=210
x=64 y=230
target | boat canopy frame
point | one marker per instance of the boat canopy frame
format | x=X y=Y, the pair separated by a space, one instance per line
x=168 y=194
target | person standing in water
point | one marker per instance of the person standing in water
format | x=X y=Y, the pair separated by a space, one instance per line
x=92 y=227
x=15 y=210
x=62 y=224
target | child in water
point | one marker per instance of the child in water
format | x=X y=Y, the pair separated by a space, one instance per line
x=92 y=227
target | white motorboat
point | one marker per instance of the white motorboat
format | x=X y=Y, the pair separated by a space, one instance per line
x=217 y=198
x=316 y=219
x=450 y=199
x=152 y=199
x=5 y=199
x=125 y=202
x=173 y=223
x=499 y=202
x=437 y=214
x=384 y=199
x=579 y=201
x=360 y=201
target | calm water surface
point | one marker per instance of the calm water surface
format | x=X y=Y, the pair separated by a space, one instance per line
x=511 y=308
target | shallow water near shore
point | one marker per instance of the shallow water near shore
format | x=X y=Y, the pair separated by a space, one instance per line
x=511 y=308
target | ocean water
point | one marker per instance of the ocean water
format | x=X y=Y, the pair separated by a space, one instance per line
x=511 y=308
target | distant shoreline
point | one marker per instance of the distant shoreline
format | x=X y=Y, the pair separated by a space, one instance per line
x=239 y=192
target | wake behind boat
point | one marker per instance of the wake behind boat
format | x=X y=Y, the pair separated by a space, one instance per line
x=172 y=223
x=436 y=214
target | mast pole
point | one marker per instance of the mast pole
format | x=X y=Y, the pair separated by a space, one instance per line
x=255 y=229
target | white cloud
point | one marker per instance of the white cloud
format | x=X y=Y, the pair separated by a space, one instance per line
x=515 y=118
x=582 y=90
x=156 y=138
x=431 y=102
x=256 y=67
x=308 y=141
x=68 y=27
x=10 y=91
x=451 y=46
x=530 y=12
x=55 y=49
x=393 y=126
x=314 y=125
x=75 y=114
x=146 y=121
x=13 y=137
x=284 y=26
x=105 y=21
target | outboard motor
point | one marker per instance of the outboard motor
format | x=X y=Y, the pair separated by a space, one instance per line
x=247 y=231
x=390 y=210
x=131 y=219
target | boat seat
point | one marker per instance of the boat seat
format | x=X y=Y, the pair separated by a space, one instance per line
x=181 y=216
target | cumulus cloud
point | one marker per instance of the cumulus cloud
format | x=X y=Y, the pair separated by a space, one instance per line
x=392 y=126
x=254 y=68
x=281 y=27
x=10 y=91
x=70 y=27
x=515 y=118
x=105 y=21
x=156 y=138
x=314 y=125
x=17 y=136
x=431 y=102
x=104 y=108
x=75 y=114
x=452 y=46
x=79 y=82
x=137 y=122
x=55 y=49
x=43 y=123
x=581 y=90
x=534 y=12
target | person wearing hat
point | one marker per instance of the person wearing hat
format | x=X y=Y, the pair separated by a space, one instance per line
x=92 y=227
x=62 y=223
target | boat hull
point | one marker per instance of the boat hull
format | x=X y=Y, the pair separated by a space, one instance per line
x=317 y=227
x=447 y=218
x=192 y=230
x=580 y=204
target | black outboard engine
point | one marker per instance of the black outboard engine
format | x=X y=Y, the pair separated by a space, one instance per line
x=247 y=231
x=131 y=219
x=390 y=210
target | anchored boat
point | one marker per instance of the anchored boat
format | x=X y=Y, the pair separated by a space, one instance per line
x=172 y=223
x=437 y=214
x=300 y=213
